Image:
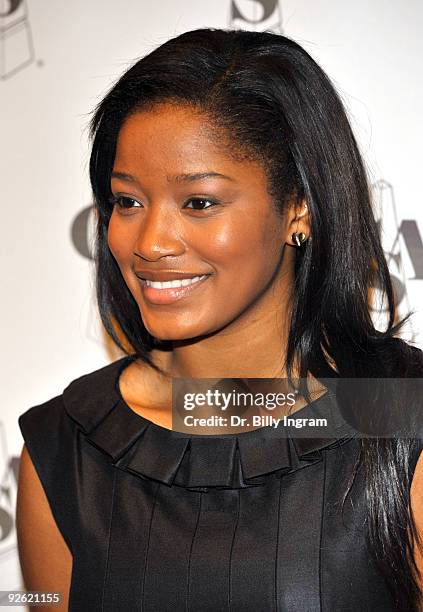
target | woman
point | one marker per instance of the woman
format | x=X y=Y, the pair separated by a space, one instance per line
x=225 y=158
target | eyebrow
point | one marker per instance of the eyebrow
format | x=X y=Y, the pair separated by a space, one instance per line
x=179 y=178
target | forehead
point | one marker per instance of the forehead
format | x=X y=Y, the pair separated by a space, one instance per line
x=172 y=139
x=169 y=130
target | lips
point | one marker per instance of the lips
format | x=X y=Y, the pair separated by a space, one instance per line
x=165 y=275
x=168 y=295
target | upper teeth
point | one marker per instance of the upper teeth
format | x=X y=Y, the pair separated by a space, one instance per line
x=174 y=283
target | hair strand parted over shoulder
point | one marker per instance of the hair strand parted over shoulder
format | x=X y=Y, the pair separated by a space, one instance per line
x=276 y=105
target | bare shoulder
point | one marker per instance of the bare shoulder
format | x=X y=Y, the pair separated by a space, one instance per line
x=45 y=559
x=416 y=502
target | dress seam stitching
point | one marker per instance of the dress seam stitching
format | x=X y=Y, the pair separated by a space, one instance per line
x=277 y=546
x=112 y=508
x=231 y=551
x=148 y=548
x=190 y=551
x=321 y=530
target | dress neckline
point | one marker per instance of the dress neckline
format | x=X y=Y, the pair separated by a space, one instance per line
x=139 y=446
x=126 y=361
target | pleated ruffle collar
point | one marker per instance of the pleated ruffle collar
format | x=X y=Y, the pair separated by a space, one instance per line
x=139 y=446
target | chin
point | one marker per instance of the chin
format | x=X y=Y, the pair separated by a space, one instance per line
x=189 y=333
x=168 y=327
x=163 y=335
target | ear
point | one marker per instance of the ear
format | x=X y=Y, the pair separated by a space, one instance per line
x=298 y=220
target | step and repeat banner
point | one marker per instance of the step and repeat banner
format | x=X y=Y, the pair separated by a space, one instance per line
x=56 y=61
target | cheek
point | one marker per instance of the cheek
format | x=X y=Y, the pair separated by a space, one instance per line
x=118 y=240
x=245 y=243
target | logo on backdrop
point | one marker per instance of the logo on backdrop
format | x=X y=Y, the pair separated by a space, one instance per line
x=82 y=230
x=257 y=15
x=16 y=46
x=403 y=248
x=9 y=467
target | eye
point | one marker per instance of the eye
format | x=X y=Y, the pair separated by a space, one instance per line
x=123 y=201
x=202 y=201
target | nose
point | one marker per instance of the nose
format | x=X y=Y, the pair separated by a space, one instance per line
x=159 y=234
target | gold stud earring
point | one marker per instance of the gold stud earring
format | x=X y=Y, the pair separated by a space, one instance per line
x=298 y=238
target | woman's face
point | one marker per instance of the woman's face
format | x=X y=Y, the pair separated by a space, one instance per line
x=184 y=207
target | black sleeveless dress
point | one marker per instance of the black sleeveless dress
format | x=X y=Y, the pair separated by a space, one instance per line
x=162 y=522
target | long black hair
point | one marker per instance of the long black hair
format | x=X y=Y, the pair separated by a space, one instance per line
x=278 y=106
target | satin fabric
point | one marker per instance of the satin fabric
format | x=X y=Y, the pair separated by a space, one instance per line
x=158 y=522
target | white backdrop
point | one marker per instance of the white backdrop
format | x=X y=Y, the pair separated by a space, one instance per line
x=57 y=58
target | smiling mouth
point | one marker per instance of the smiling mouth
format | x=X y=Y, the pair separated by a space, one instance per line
x=171 y=284
x=166 y=292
